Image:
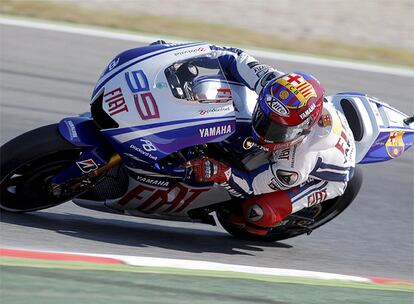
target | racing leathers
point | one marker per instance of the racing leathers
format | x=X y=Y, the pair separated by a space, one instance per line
x=300 y=176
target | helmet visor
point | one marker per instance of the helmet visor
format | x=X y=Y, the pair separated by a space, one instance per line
x=273 y=132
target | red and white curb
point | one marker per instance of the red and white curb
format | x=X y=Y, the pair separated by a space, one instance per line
x=187 y=264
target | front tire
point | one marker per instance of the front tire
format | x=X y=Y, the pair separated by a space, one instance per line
x=28 y=163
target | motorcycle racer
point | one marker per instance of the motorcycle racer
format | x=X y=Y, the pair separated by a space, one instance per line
x=177 y=132
x=310 y=147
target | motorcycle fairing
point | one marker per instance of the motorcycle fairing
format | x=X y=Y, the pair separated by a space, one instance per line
x=80 y=131
x=134 y=56
x=389 y=145
x=379 y=129
x=153 y=107
x=154 y=142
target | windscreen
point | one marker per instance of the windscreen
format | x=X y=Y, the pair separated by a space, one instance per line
x=199 y=79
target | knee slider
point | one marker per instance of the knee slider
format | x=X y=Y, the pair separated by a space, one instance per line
x=268 y=209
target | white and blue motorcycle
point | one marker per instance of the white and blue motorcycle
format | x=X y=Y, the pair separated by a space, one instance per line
x=148 y=118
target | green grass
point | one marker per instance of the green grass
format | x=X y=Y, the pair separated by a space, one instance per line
x=35 y=281
x=195 y=30
x=73 y=265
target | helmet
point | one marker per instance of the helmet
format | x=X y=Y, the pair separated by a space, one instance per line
x=287 y=108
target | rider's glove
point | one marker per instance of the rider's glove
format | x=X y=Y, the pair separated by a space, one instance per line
x=209 y=170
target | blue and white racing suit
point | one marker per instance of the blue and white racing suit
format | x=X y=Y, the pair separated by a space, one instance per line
x=315 y=170
x=312 y=171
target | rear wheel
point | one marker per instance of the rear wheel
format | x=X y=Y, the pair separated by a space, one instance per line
x=301 y=222
x=28 y=164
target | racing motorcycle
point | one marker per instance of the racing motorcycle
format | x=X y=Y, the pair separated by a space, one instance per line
x=153 y=109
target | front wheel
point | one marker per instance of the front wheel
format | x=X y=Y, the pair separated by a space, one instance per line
x=304 y=221
x=27 y=165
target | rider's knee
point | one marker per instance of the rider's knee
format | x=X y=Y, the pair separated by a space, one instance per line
x=263 y=212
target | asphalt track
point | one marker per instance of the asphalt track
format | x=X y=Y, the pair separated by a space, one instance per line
x=49 y=75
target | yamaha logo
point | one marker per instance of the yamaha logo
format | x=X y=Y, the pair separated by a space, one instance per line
x=308 y=111
x=215 y=131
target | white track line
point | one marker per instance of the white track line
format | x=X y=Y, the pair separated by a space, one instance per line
x=213 y=266
x=182 y=264
x=110 y=34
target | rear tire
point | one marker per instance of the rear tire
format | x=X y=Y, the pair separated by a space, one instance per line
x=326 y=212
x=27 y=164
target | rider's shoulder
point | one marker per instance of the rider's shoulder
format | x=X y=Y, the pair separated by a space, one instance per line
x=331 y=126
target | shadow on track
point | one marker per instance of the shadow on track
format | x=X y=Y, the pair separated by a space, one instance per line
x=129 y=233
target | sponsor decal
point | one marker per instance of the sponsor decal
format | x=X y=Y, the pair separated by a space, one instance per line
x=227 y=173
x=161 y=85
x=214 y=110
x=379 y=143
x=283 y=95
x=72 y=129
x=87 y=165
x=146 y=106
x=172 y=200
x=288 y=154
x=301 y=88
x=113 y=64
x=308 y=111
x=152 y=181
x=148 y=145
x=215 y=131
x=325 y=121
x=277 y=106
x=137 y=81
x=143 y=152
x=260 y=69
x=115 y=102
x=293 y=157
x=395 y=144
x=248 y=143
x=287 y=178
x=144 y=100
x=200 y=49
x=224 y=93
x=273 y=185
x=317 y=197
x=284 y=154
x=344 y=146
x=255 y=213
x=231 y=190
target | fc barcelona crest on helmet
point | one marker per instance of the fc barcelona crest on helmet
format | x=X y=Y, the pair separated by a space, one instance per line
x=395 y=144
x=300 y=89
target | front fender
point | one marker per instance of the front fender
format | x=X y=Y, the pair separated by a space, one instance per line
x=81 y=131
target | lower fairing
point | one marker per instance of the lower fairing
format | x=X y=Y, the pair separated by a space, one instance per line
x=155 y=196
